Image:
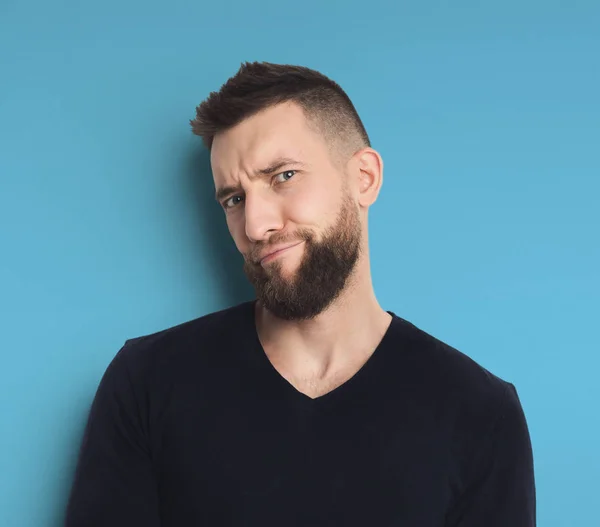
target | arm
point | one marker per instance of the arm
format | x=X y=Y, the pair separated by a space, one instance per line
x=114 y=483
x=502 y=490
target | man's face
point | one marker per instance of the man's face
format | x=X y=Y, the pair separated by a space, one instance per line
x=303 y=205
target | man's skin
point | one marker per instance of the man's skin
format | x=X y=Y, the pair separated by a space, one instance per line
x=317 y=329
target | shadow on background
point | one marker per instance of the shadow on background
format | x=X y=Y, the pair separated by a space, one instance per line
x=216 y=247
x=217 y=251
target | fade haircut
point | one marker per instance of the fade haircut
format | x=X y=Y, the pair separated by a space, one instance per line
x=260 y=85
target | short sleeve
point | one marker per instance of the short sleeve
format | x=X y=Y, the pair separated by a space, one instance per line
x=114 y=482
x=502 y=490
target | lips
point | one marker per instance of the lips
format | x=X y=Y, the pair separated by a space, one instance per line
x=276 y=250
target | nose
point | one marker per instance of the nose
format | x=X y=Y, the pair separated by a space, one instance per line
x=262 y=217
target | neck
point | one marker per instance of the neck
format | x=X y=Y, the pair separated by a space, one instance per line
x=347 y=332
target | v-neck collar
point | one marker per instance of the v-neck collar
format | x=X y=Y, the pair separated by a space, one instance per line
x=362 y=376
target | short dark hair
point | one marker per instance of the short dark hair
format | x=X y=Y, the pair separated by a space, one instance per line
x=259 y=85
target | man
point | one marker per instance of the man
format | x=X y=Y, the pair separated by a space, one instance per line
x=312 y=405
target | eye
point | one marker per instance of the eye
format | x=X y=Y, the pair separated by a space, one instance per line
x=230 y=203
x=286 y=173
x=233 y=201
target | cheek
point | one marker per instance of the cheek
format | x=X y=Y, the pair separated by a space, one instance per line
x=312 y=208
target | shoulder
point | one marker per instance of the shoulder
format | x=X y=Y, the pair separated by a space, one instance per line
x=470 y=408
x=186 y=344
x=466 y=398
x=440 y=364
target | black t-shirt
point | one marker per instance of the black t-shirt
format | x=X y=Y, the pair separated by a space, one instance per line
x=193 y=426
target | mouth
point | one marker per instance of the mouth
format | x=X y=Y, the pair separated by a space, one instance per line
x=278 y=253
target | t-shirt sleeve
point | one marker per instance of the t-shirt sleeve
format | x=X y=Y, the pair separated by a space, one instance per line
x=502 y=490
x=114 y=483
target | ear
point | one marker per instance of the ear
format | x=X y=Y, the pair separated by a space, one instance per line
x=367 y=167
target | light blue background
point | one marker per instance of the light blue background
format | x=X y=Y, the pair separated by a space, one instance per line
x=486 y=233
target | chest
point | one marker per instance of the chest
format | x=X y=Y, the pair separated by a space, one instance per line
x=314 y=386
x=243 y=465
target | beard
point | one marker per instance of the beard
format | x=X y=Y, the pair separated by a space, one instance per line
x=322 y=275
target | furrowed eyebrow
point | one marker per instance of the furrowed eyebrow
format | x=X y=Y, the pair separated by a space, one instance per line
x=223 y=192
x=280 y=162
x=277 y=164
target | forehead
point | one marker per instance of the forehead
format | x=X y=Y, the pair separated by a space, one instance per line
x=279 y=131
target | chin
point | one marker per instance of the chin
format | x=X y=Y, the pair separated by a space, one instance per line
x=288 y=272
